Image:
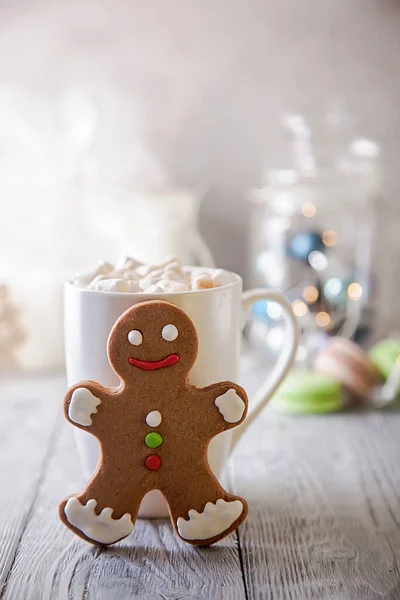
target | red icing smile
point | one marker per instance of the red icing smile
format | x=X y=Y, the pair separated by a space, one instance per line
x=152 y=365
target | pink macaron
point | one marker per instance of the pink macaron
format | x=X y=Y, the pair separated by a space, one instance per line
x=346 y=362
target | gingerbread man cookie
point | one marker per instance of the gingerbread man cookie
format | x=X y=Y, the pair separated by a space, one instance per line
x=154 y=430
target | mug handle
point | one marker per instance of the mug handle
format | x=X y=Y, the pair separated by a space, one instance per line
x=284 y=361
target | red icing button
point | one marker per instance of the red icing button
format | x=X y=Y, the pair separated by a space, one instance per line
x=153 y=462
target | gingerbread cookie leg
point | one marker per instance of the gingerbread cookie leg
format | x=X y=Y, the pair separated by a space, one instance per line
x=104 y=513
x=205 y=515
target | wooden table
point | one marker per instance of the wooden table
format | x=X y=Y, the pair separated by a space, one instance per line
x=324 y=520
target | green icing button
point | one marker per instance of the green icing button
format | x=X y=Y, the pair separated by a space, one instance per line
x=153 y=439
x=306 y=393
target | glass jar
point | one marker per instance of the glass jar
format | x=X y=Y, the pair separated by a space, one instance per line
x=311 y=236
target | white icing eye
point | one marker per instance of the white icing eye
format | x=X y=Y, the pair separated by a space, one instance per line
x=135 y=337
x=169 y=333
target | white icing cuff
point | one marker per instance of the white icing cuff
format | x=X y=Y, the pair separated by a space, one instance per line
x=214 y=520
x=100 y=528
x=83 y=404
x=231 y=406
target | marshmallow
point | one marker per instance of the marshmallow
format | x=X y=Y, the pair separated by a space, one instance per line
x=126 y=263
x=172 y=276
x=193 y=275
x=83 y=278
x=146 y=282
x=221 y=277
x=133 y=286
x=92 y=284
x=112 y=285
x=157 y=273
x=202 y=282
x=130 y=275
x=172 y=266
x=152 y=289
x=173 y=286
x=144 y=270
x=167 y=263
x=104 y=267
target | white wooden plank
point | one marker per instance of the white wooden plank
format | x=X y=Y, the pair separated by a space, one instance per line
x=52 y=563
x=28 y=409
x=324 y=495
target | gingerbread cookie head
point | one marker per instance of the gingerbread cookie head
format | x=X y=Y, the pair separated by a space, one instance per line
x=152 y=337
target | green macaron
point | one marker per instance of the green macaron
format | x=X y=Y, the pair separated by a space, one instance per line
x=384 y=355
x=307 y=393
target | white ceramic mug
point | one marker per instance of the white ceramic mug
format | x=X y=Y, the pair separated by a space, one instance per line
x=218 y=315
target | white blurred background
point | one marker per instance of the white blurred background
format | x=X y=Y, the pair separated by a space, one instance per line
x=104 y=98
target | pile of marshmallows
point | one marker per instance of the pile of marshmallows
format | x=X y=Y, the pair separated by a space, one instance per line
x=130 y=275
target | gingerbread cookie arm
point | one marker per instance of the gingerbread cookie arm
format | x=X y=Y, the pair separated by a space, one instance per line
x=82 y=402
x=228 y=403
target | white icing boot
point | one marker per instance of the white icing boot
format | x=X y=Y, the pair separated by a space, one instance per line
x=100 y=528
x=214 y=520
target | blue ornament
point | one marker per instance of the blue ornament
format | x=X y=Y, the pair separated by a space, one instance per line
x=259 y=309
x=335 y=290
x=302 y=243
